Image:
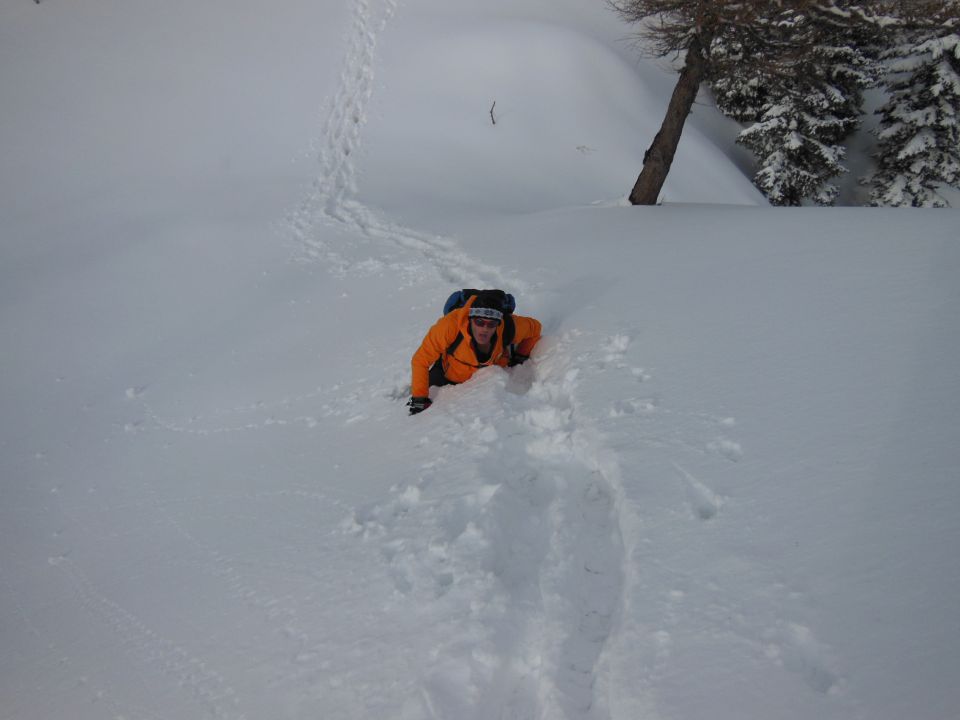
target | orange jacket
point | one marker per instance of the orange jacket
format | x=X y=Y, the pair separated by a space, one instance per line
x=463 y=363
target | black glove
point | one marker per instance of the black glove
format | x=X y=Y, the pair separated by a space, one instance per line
x=517 y=359
x=419 y=404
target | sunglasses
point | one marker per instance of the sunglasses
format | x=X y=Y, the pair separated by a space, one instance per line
x=485 y=322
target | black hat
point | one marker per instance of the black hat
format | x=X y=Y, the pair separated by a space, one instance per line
x=488 y=304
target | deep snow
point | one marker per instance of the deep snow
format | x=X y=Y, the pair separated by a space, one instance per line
x=724 y=487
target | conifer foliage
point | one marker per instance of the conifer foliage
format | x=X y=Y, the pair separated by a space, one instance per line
x=806 y=108
x=688 y=29
x=787 y=65
x=919 y=132
x=795 y=72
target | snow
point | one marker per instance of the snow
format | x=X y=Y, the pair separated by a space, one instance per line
x=725 y=485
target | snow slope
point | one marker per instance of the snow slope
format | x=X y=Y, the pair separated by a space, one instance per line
x=724 y=486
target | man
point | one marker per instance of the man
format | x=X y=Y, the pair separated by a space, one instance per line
x=467 y=339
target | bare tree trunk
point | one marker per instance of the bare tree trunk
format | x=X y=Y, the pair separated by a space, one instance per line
x=659 y=156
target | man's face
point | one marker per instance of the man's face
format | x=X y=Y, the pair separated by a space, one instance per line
x=483 y=329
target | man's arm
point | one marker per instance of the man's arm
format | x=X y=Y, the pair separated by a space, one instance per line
x=435 y=343
x=527 y=334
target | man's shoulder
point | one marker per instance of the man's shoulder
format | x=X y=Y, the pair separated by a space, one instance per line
x=452 y=322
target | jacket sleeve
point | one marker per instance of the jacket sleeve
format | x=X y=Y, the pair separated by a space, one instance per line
x=527 y=334
x=435 y=343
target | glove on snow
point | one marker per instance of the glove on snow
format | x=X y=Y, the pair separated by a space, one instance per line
x=517 y=359
x=419 y=404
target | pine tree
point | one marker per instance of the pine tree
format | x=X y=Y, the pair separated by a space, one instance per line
x=739 y=94
x=918 y=136
x=806 y=103
x=690 y=29
x=749 y=66
x=795 y=164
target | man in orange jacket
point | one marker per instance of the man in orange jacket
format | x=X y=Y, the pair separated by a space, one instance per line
x=467 y=339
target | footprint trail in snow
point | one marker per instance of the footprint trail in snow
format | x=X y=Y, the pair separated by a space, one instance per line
x=528 y=537
x=509 y=538
x=515 y=519
x=373 y=243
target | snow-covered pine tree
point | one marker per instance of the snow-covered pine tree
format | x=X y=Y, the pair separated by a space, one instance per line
x=919 y=132
x=690 y=29
x=793 y=67
x=739 y=86
x=809 y=105
x=796 y=160
x=749 y=63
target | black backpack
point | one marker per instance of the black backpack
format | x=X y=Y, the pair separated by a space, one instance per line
x=459 y=298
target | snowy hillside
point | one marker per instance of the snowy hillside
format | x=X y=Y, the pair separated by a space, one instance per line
x=725 y=486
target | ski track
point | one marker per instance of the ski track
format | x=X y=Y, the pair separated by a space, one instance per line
x=280 y=613
x=156 y=654
x=151 y=653
x=100 y=693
